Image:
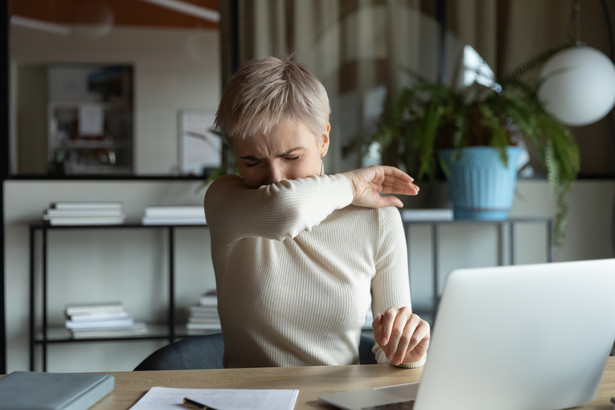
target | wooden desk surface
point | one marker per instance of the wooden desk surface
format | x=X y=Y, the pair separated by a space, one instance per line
x=311 y=382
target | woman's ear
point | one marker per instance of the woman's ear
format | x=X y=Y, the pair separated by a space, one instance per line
x=324 y=141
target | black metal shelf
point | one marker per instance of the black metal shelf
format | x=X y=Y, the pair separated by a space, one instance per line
x=501 y=225
x=58 y=335
x=48 y=334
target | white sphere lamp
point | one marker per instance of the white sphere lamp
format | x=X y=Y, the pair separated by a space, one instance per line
x=578 y=85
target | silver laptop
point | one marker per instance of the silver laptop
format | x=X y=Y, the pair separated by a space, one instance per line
x=514 y=337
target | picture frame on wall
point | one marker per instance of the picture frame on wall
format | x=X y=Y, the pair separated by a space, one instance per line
x=200 y=149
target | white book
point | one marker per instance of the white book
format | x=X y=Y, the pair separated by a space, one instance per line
x=70 y=213
x=203 y=326
x=99 y=324
x=99 y=220
x=93 y=317
x=205 y=317
x=211 y=324
x=203 y=310
x=87 y=205
x=93 y=308
x=427 y=214
x=174 y=220
x=208 y=300
x=135 y=330
x=201 y=319
x=173 y=211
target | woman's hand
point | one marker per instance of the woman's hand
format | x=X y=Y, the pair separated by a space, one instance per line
x=369 y=183
x=402 y=335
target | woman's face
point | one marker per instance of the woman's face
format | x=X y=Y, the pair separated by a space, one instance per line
x=289 y=151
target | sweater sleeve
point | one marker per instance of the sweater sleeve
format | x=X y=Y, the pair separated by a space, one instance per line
x=390 y=285
x=276 y=211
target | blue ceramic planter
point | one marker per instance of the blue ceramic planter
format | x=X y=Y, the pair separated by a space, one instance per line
x=480 y=186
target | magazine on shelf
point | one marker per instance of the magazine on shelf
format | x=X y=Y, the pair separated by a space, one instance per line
x=178 y=220
x=99 y=220
x=203 y=326
x=204 y=315
x=78 y=205
x=174 y=215
x=434 y=214
x=203 y=311
x=134 y=330
x=70 y=213
x=94 y=317
x=208 y=299
x=84 y=213
x=93 y=308
x=175 y=211
x=99 y=324
x=97 y=316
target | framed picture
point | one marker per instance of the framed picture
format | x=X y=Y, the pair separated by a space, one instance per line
x=200 y=149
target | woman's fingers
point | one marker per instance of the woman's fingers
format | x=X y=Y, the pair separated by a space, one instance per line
x=369 y=183
x=403 y=336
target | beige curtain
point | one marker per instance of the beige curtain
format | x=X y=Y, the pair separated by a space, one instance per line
x=362 y=50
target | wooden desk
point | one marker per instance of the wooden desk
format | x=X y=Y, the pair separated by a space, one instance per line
x=311 y=382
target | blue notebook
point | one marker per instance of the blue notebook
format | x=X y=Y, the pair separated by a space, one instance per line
x=70 y=391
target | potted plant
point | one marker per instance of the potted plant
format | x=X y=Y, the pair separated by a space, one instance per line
x=430 y=125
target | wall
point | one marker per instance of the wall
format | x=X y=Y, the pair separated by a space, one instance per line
x=173 y=70
x=131 y=265
x=127 y=265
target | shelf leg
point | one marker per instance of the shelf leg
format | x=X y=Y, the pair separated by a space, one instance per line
x=44 y=284
x=32 y=294
x=436 y=298
x=171 y=313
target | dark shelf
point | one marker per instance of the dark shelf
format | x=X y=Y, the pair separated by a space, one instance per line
x=57 y=335
x=43 y=334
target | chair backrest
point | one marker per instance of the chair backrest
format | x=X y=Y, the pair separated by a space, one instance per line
x=205 y=352
x=366 y=356
x=194 y=352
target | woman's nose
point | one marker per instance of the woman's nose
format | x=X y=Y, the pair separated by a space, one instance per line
x=276 y=173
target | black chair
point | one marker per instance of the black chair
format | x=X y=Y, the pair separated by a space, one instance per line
x=195 y=352
x=205 y=352
x=366 y=356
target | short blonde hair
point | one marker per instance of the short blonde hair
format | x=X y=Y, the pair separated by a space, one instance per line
x=267 y=90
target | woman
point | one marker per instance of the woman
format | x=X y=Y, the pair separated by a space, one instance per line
x=299 y=256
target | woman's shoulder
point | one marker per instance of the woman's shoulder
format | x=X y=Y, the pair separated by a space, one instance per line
x=224 y=181
x=386 y=214
x=221 y=186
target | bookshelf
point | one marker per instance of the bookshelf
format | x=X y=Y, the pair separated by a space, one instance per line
x=41 y=334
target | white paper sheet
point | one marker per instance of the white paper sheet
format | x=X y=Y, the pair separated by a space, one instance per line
x=162 y=398
x=91 y=120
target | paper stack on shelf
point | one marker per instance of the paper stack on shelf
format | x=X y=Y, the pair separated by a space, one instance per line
x=84 y=213
x=174 y=215
x=369 y=318
x=204 y=316
x=432 y=214
x=107 y=319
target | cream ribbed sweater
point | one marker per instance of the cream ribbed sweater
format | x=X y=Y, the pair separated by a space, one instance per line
x=297 y=268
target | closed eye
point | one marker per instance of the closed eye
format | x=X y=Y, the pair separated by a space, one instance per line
x=292 y=158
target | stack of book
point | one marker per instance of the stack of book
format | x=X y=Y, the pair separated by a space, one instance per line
x=174 y=215
x=369 y=319
x=204 y=315
x=101 y=320
x=84 y=213
x=431 y=214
